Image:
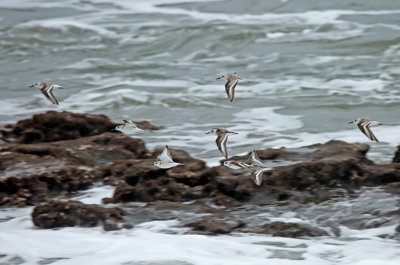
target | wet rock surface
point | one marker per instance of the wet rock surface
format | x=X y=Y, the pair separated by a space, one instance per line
x=30 y=173
x=55 y=126
x=293 y=230
x=53 y=214
x=68 y=152
x=207 y=226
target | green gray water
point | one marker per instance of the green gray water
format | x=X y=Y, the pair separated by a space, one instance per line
x=313 y=67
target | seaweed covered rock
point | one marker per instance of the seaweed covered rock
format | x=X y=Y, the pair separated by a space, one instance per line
x=31 y=173
x=293 y=230
x=55 y=126
x=54 y=213
x=209 y=226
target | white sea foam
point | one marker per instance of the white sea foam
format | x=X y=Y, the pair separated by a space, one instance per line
x=267 y=120
x=65 y=25
x=161 y=242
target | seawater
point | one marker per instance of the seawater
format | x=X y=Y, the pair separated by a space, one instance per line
x=313 y=67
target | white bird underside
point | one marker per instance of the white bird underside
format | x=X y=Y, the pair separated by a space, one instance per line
x=129 y=127
x=164 y=160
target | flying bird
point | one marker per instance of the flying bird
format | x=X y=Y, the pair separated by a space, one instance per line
x=231 y=81
x=47 y=90
x=164 y=160
x=256 y=167
x=364 y=126
x=222 y=137
x=128 y=127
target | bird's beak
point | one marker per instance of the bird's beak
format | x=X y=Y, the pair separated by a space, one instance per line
x=351 y=122
x=218 y=78
x=32 y=86
x=208 y=132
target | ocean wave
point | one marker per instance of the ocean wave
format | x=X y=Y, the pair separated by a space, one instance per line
x=148 y=239
x=65 y=25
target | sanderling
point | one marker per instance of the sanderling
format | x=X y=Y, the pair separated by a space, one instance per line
x=46 y=89
x=231 y=81
x=222 y=137
x=256 y=167
x=234 y=164
x=364 y=126
x=164 y=160
x=129 y=127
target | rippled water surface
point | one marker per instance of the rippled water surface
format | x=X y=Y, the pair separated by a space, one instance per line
x=313 y=67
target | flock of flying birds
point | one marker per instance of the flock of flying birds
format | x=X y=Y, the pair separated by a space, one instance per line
x=165 y=161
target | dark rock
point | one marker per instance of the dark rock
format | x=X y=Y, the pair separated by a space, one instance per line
x=55 y=126
x=332 y=150
x=53 y=214
x=241 y=188
x=139 y=180
x=393 y=188
x=110 y=225
x=396 y=158
x=163 y=188
x=207 y=226
x=334 y=164
x=35 y=188
x=293 y=230
x=30 y=173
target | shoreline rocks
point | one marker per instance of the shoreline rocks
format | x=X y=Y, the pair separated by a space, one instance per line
x=54 y=214
x=57 y=153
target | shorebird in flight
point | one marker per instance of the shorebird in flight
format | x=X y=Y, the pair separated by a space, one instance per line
x=231 y=81
x=129 y=127
x=164 y=160
x=222 y=137
x=47 y=90
x=256 y=167
x=364 y=126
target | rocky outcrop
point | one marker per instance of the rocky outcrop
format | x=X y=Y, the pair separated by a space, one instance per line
x=57 y=153
x=141 y=181
x=55 y=126
x=293 y=230
x=30 y=173
x=206 y=226
x=396 y=158
x=53 y=214
x=324 y=168
x=329 y=165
